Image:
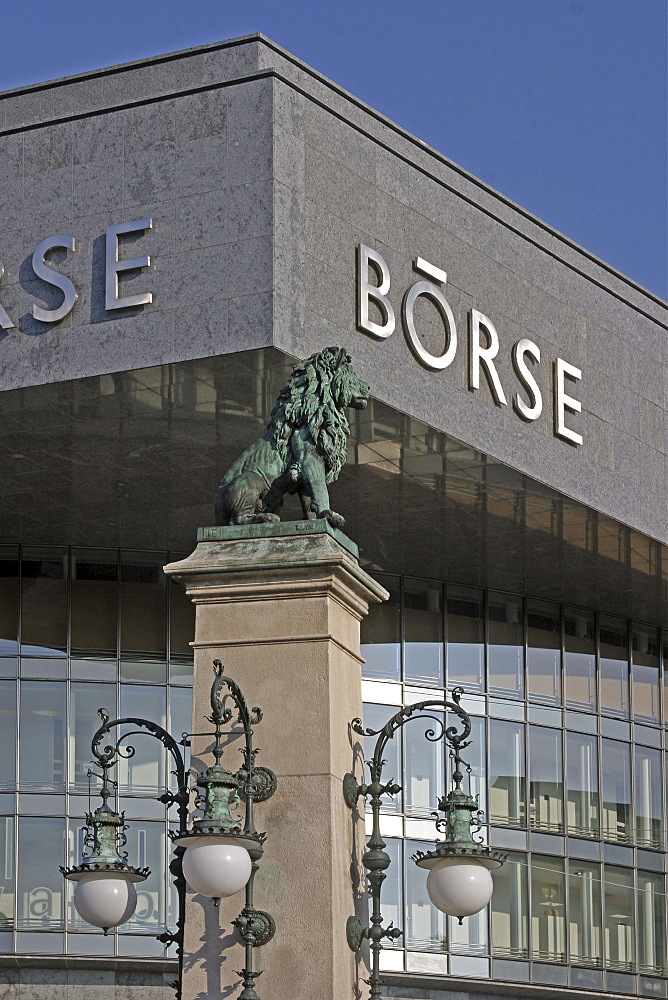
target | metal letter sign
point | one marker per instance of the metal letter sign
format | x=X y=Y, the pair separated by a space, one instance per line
x=483 y=342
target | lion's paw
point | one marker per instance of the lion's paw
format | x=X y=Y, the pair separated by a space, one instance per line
x=336 y=520
x=265 y=518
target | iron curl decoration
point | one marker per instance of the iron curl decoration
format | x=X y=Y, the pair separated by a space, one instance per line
x=376 y=860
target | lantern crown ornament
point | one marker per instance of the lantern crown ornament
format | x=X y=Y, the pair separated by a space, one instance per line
x=459 y=881
x=217 y=856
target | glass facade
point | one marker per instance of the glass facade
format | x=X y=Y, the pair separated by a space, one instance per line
x=84 y=629
x=568 y=759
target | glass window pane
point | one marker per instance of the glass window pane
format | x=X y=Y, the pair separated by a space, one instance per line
x=145 y=771
x=651 y=923
x=424 y=766
x=619 y=918
x=545 y=779
x=584 y=897
x=548 y=917
x=506 y=645
x=507 y=774
x=44 y=602
x=85 y=700
x=582 y=784
x=40 y=849
x=614 y=667
x=649 y=800
x=42 y=736
x=7 y=734
x=466 y=647
x=423 y=632
x=645 y=673
x=94 y=600
x=580 y=659
x=6 y=872
x=616 y=771
x=544 y=652
x=181 y=621
x=380 y=635
x=425 y=925
x=143 y=603
x=510 y=909
x=475 y=756
x=180 y=716
x=9 y=599
x=146 y=846
x=375 y=717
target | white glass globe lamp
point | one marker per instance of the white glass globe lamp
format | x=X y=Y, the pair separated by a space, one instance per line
x=216 y=866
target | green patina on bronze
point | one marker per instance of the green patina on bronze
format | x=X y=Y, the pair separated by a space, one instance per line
x=303 y=449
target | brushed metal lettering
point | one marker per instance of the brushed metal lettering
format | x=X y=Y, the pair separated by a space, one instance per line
x=52 y=277
x=431 y=291
x=484 y=355
x=5 y=322
x=114 y=266
x=366 y=291
x=563 y=402
x=520 y=350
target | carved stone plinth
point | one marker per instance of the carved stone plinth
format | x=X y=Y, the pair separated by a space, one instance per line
x=280 y=605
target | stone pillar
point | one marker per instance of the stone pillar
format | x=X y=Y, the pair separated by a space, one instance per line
x=280 y=605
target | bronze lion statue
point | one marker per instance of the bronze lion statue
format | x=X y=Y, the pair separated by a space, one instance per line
x=303 y=448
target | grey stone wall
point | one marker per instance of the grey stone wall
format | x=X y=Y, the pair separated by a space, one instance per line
x=84 y=984
x=261 y=177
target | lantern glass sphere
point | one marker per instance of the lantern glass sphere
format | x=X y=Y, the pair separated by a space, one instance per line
x=216 y=866
x=459 y=887
x=105 y=899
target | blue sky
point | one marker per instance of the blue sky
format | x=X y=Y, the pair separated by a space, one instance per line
x=559 y=104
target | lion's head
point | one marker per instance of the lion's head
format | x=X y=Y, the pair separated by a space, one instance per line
x=317 y=395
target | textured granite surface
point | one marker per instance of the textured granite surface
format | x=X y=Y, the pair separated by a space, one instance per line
x=261 y=177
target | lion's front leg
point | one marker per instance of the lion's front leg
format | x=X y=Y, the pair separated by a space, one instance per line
x=314 y=493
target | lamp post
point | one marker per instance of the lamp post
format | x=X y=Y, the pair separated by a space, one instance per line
x=459 y=881
x=217 y=857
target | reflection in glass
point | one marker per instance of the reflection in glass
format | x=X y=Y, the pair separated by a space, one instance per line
x=645 y=673
x=181 y=621
x=85 y=700
x=476 y=758
x=649 y=805
x=584 y=895
x=545 y=779
x=7 y=734
x=143 y=603
x=548 y=916
x=9 y=599
x=42 y=736
x=146 y=770
x=507 y=774
x=6 y=872
x=424 y=766
x=616 y=789
x=651 y=923
x=44 y=601
x=423 y=632
x=40 y=888
x=580 y=659
x=614 y=667
x=425 y=925
x=375 y=717
x=94 y=600
x=582 y=784
x=619 y=918
x=380 y=635
x=544 y=652
x=146 y=846
x=466 y=650
x=509 y=907
x=506 y=645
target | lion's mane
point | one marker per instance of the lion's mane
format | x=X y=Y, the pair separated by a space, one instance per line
x=316 y=396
